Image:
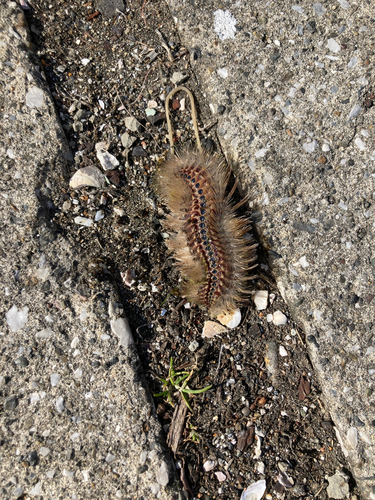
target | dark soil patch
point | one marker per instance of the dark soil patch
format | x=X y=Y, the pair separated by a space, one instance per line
x=257 y=395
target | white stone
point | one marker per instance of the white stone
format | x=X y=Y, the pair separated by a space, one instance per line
x=260 y=467
x=99 y=215
x=36 y=490
x=282 y=351
x=298 y=9
x=352 y=437
x=83 y=221
x=223 y=72
x=121 y=328
x=107 y=161
x=74 y=436
x=44 y=451
x=110 y=458
x=86 y=475
x=34 y=97
x=344 y=4
x=211 y=329
x=309 y=147
x=44 y=334
x=127 y=140
x=261 y=153
x=355 y=111
x=224 y=24
x=303 y=262
x=317 y=315
x=55 y=379
x=34 y=397
x=353 y=62
x=68 y=473
x=162 y=476
x=220 y=476
x=132 y=124
x=319 y=9
x=231 y=319
x=343 y=205
x=333 y=45
x=326 y=147
x=143 y=457
x=155 y=488
x=279 y=318
x=255 y=491
x=87 y=176
x=78 y=373
x=360 y=144
x=260 y=299
x=60 y=404
x=208 y=465
x=50 y=473
x=269 y=318
x=85 y=61
x=17 y=318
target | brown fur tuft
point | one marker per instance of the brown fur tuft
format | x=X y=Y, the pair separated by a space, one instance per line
x=207 y=237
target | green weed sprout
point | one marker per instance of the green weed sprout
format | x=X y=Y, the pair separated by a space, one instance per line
x=177 y=381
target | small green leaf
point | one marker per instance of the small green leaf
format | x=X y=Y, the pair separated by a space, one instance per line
x=185 y=398
x=197 y=391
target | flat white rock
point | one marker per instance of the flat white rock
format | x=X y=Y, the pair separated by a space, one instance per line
x=17 y=318
x=211 y=329
x=107 y=161
x=162 y=476
x=260 y=299
x=121 y=328
x=83 y=221
x=220 y=476
x=87 y=176
x=231 y=319
x=208 y=465
x=255 y=491
x=279 y=318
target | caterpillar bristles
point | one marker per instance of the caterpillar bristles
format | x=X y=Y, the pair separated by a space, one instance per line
x=207 y=237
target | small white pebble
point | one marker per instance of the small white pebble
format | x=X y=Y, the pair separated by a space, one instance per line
x=223 y=72
x=55 y=379
x=360 y=144
x=260 y=299
x=220 y=476
x=279 y=318
x=333 y=45
x=317 y=315
x=208 y=465
x=282 y=351
x=303 y=262
x=44 y=451
x=60 y=404
x=74 y=342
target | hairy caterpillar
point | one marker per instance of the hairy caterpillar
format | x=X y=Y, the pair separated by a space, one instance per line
x=207 y=237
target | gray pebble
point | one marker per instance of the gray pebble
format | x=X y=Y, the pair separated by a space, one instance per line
x=21 y=361
x=11 y=403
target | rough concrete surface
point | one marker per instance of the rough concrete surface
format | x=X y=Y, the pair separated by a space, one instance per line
x=291 y=84
x=76 y=419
